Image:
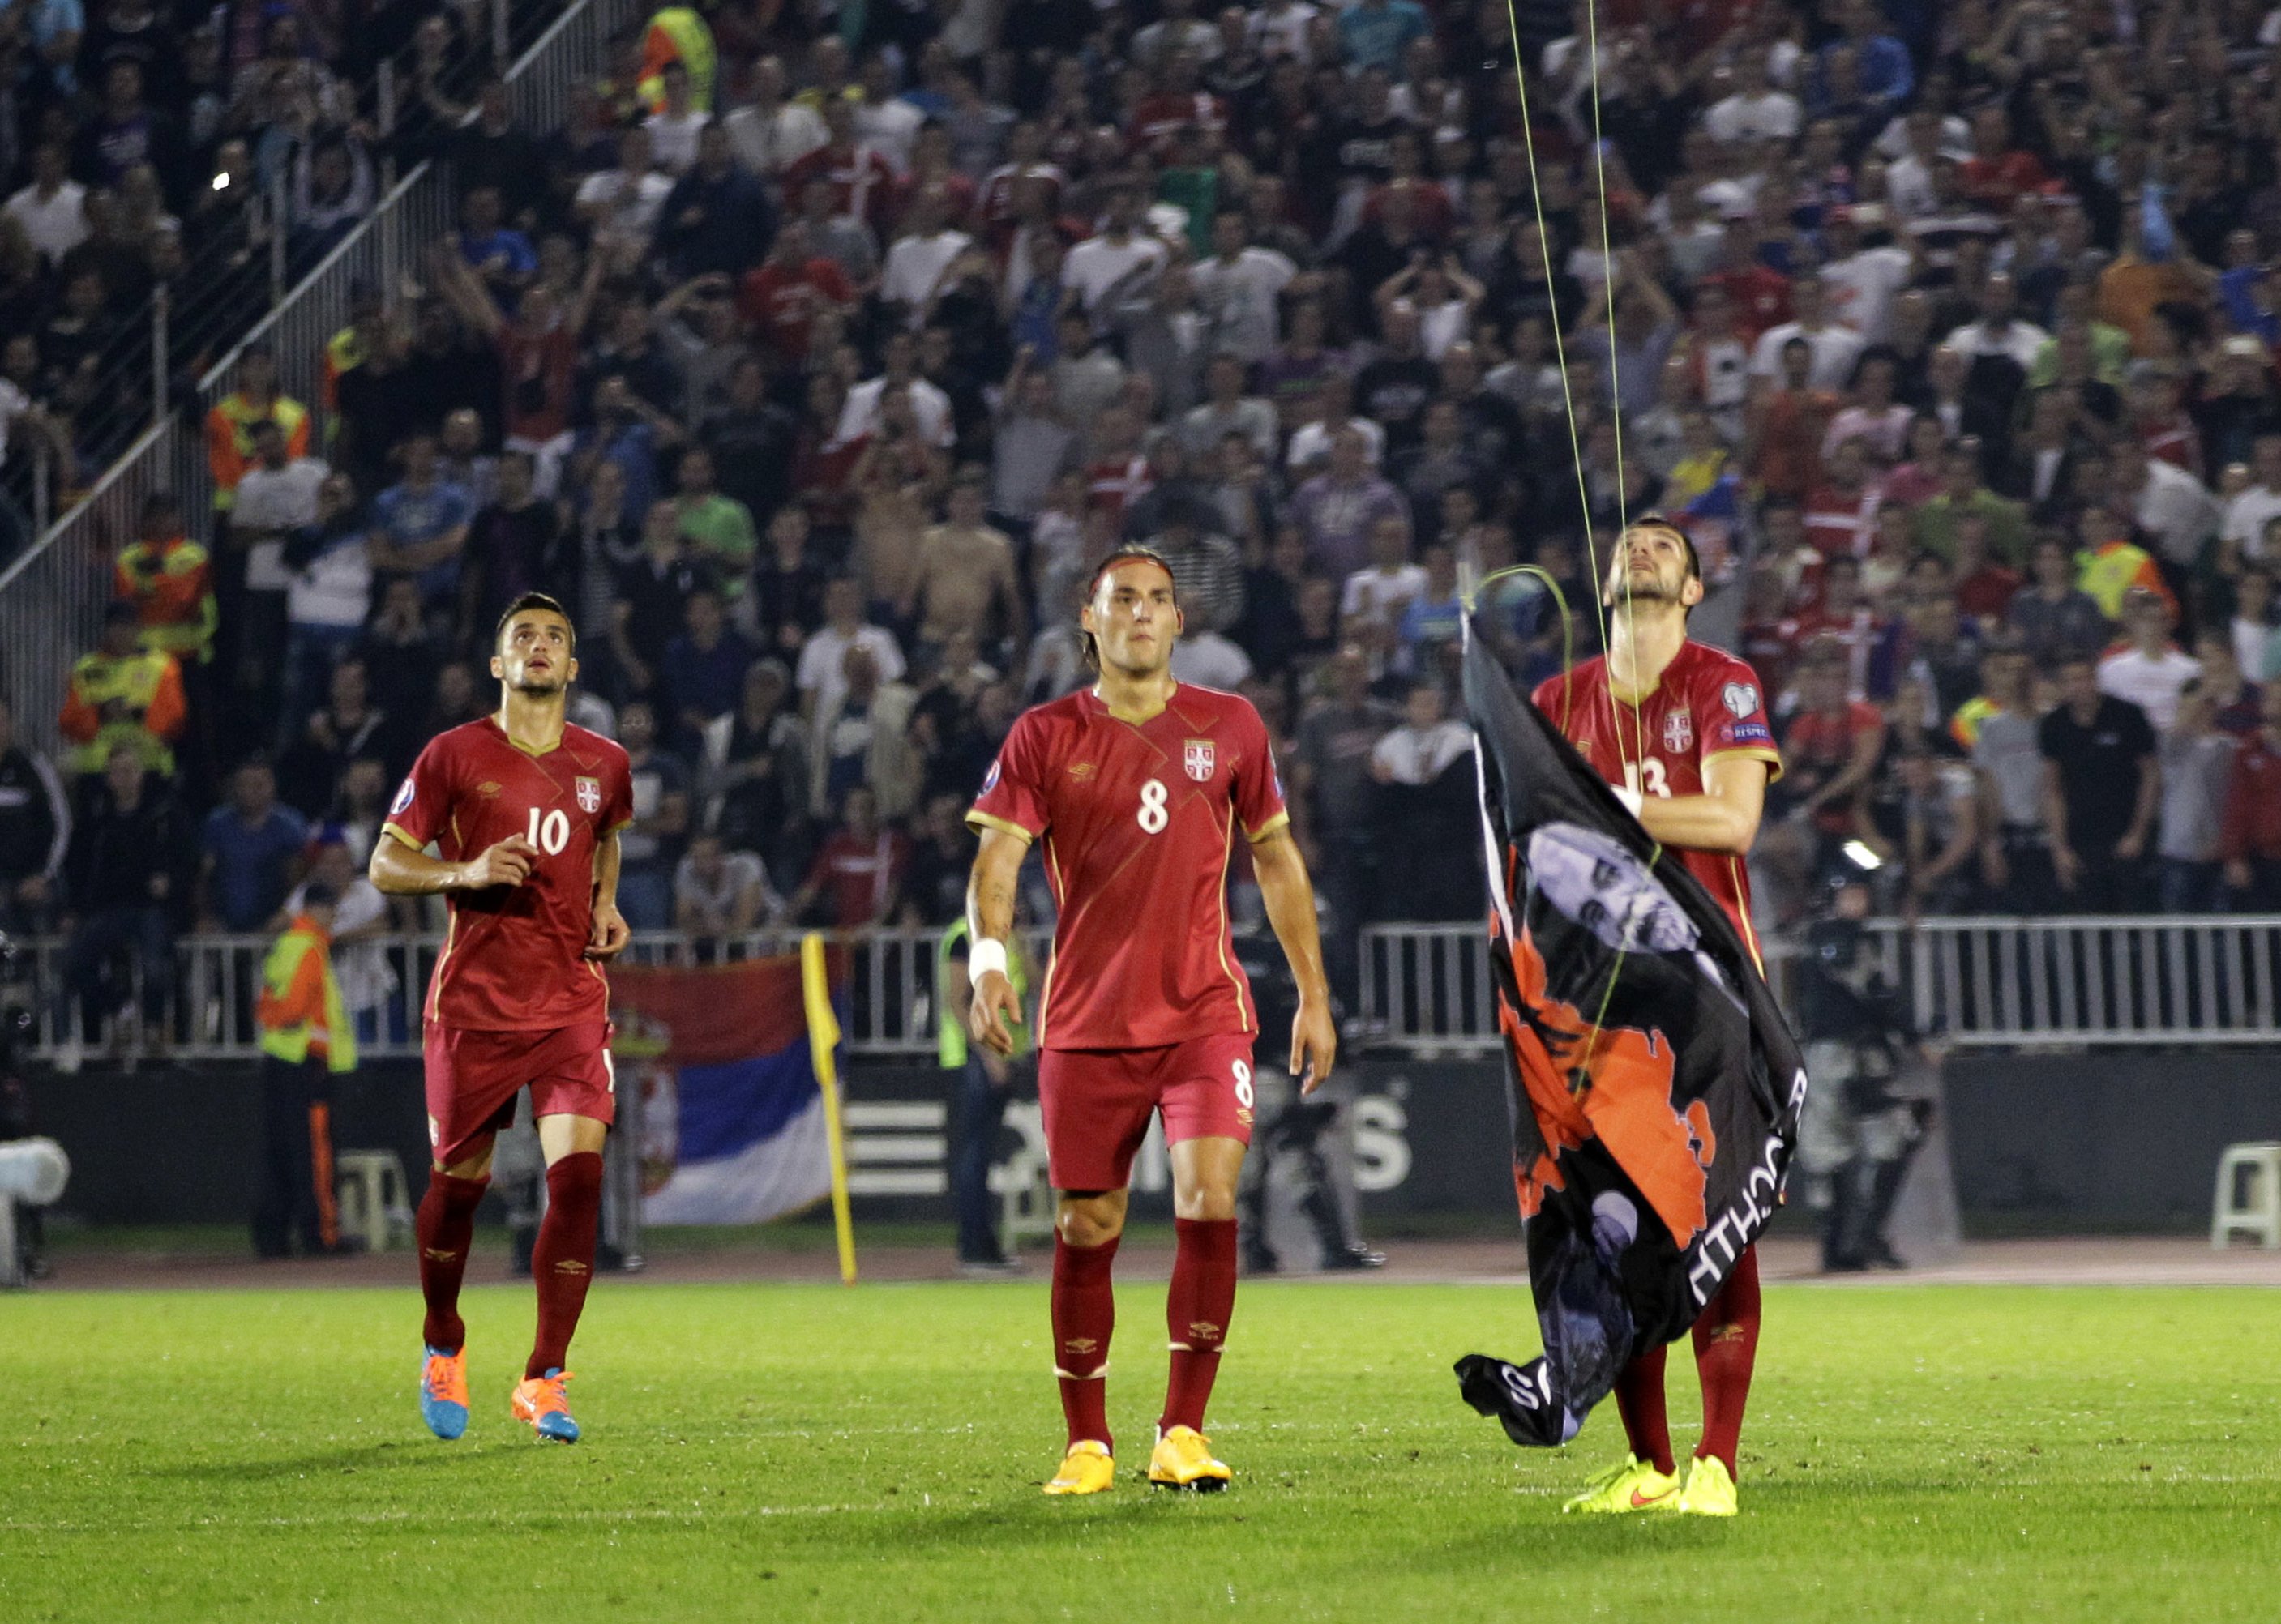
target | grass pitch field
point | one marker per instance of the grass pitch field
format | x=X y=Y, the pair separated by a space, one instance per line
x=809 y=1453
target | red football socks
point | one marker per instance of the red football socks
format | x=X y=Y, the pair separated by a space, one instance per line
x=1639 y=1400
x=1085 y=1313
x=1196 y=1311
x=1725 y=1348
x=562 y=1260
x=445 y=1226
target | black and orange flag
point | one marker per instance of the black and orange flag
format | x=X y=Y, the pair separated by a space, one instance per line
x=1654 y=1085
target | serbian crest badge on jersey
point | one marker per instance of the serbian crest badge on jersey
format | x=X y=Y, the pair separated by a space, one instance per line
x=1200 y=761
x=1678 y=732
x=590 y=795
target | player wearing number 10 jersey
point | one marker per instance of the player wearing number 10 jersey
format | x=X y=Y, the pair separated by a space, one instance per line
x=1136 y=790
x=1680 y=729
x=525 y=811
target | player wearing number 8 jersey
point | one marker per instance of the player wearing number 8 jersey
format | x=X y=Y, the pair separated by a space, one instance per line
x=1680 y=729
x=524 y=810
x=1135 y=791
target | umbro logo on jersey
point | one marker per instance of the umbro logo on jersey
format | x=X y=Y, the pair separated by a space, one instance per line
x=1082 y=770
x=590 y=795
x=487 y=788
x=1199 y=760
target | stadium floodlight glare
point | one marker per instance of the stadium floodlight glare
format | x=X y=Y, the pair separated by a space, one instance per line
x=221 y=181
x=1859 y=855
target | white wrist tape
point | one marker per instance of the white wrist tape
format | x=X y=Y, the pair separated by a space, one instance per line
x=988 y=954
x=1629 y=797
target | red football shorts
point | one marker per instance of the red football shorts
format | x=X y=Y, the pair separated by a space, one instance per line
x=1096 y=1103
x=473 y=1078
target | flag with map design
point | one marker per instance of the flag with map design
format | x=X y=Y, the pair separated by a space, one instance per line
x=1654 y=1085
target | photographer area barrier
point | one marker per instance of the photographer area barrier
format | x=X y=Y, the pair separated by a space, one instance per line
x=2098 y=981
x=1969 y=983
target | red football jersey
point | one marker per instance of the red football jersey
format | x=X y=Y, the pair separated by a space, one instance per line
x=1138 y=824
x=515 y=957
x=1708 y=704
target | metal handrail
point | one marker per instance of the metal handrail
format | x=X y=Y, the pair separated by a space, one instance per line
x=2108 y=981
x=888 y=999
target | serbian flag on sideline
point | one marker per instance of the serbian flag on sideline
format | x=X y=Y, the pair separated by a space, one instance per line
x=732 y=1118
x=1654 y=1085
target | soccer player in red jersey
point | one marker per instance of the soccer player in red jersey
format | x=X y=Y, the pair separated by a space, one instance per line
x=1137 y=790
x=1680 y=729
x=525 y=810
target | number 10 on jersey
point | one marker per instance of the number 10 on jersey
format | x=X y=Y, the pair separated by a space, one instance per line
x=551 y=832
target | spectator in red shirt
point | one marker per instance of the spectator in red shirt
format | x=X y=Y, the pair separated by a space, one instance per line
x=780 y=296
x=1846 y=620
x=538 y=356
x=1179 y=102
x=1830 y=752
x=2159 y=417
x=1842 y=509
x=1760 y=294
x=1984 y=588
x=2250 y=839
x=1781 y=444
x=858 y=871
x=863 y=182
x=1997 y=172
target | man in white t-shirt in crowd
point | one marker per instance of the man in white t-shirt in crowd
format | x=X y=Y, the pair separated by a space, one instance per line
x=819 y=678
x=898 y=360
x=1753 y=110
x=52 y=210
x=1999 y=331
x=768 y=133
x=327 y=594
x=2150 y=671
x=1420 y=749
x=717 y=892
x=922 y=254
x=1114 y=261
x=1333 y=415
x=674 y=127
x=2175 y=511
x=621 y=205
x=276 y=497
x=1835 y=348
x=1860 y=284
x=1238 y=288
x=2249 y=511
x=1373 y=600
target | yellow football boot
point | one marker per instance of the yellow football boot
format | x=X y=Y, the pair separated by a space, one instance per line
x=1710 y=1490
x=1183 y=1460
x=1087 y=1469
x=1634 y=1486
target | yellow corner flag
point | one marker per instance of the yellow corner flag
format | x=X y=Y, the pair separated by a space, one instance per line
x=823 y=1039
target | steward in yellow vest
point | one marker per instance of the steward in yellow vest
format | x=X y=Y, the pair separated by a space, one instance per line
x=306 y=1038
x=980 y=1084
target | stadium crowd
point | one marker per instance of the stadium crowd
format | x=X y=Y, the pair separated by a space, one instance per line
x=814 y=370
x=157 y=145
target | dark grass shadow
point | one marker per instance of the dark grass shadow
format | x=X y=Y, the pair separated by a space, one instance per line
x=389 y=1455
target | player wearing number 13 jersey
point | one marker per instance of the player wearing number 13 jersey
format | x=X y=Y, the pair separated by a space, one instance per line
x=1136 y=791
x=524 y=811
x=1680 y=729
